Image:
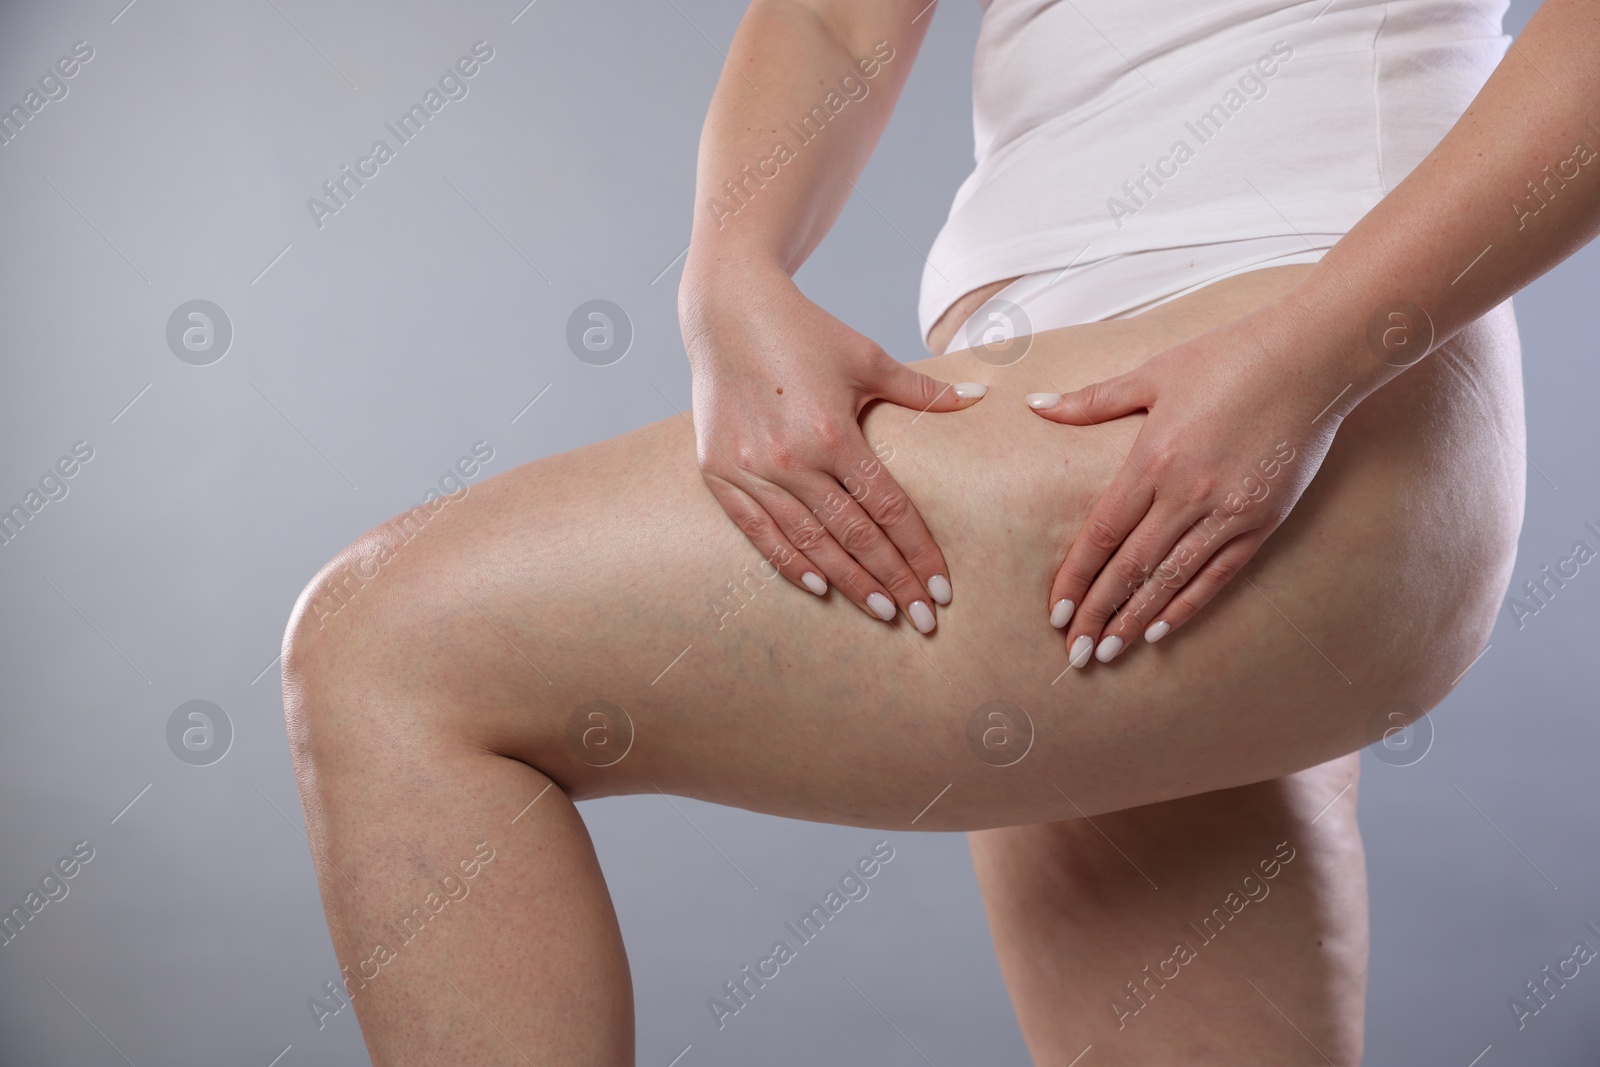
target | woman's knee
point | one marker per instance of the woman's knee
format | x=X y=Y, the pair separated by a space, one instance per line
x=396 y=639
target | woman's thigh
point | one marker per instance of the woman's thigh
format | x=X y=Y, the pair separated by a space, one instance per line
x=596 y=615
x=1096 y=922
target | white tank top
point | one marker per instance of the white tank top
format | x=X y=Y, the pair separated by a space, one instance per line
x=1105 y=127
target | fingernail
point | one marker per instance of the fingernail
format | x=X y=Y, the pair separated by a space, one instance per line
x=970 y=390
x=1042 y=400
x=1061 y=614
x=881 y=606
x=939 y=586
x=1081 y=648
x=1108 y=649
x=921 y=616
x=1156 y=632
x=813 y=581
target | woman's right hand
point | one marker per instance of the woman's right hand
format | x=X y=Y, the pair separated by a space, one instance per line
x=779 y=387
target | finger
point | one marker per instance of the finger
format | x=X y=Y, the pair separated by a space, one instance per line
x=1194 y=548
x=1120 y=508
x=860 y=535
x=1166 y=580
x=871 y=485
x=809 y=534
x=1197 y=592
x=899 y=384
x=765 y=533
x=1123 y=575
x=1096 y=402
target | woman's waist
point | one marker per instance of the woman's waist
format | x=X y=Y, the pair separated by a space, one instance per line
x=1267 y=135
x=1039 y=74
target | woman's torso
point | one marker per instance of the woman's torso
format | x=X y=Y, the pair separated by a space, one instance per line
x=1103 y=127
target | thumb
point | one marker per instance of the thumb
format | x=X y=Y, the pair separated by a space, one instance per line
x=1097 y=402
x=899 y=384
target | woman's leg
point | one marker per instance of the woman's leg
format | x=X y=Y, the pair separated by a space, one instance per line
x=593 y=620
x=467 y=908
x=1232 y=925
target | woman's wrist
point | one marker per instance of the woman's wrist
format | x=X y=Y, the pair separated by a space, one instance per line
x=713 y=272
x=1342 y=343
x=712 y=288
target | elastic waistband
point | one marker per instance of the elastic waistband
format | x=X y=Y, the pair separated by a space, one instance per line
x=1120 y=287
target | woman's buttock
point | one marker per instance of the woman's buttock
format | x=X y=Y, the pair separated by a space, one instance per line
x=623 y=636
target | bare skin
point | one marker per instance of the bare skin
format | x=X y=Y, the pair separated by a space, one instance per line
x=432 y=700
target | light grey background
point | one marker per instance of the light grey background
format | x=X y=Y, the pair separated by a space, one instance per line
x=370 y=354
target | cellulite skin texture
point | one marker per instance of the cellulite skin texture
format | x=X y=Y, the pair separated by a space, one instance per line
x=429 y=705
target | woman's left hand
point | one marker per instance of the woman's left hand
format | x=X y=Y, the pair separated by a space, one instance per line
x=1240 y=419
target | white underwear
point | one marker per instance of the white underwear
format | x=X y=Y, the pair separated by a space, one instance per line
x=1120 y=287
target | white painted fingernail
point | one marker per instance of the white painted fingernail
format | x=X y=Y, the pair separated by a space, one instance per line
x=921 y=616
x=881 y=606
x=939 y=586
x=1061 y=614
x=1109 y=647
x=970 y=390
x=1081 y=649
x=813 y=581
x=1156 y=632
x=1042 y=400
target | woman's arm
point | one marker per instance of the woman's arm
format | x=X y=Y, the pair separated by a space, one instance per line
x=786 y=59
x=1511 y=190
x=779 y=384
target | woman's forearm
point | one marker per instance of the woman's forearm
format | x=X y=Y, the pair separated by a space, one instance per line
x=805 y=94
x=1511 y=190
